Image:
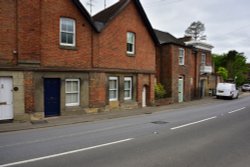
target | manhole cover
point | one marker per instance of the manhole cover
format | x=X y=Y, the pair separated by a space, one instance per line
x=159 y=122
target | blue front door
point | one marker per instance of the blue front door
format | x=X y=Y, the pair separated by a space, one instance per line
x=52 y=96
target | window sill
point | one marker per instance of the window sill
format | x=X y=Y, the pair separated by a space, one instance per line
x=74 y=48
x=73 y=105
x=130 y=54
x=113 y=100
x=128 y=100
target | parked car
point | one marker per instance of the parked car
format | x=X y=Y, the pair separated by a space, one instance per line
x=245 y=87
x=227 y=90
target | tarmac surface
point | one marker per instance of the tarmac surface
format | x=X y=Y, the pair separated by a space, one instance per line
x=74 y=119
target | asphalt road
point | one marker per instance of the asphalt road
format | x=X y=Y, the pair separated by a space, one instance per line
x=216 y=135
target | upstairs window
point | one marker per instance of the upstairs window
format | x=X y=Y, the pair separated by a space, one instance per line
x=127 y=88
x=181 y=56
x=130 y=43
x=203 y=58
x=67 y=32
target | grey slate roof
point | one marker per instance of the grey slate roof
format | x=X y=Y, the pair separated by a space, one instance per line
x=103 y=17
x=167 y=38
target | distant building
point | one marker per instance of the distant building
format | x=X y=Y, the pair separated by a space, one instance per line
x=184 y=67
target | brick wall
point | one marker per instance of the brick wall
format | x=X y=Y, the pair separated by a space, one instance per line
x=148 y=81
x=52 y=54
x=8 y=36
x=170 y=71
x=97 y=90
x=112 y=43
x=158 y=64
x=29 y=29
x=179 y=71
x=192 y=72
x=29 y=89
x=165 y=68
x=151 y=100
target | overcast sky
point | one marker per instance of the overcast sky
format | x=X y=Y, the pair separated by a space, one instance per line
x=227 y=22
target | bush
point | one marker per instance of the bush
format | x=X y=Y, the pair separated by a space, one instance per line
x=160 y=91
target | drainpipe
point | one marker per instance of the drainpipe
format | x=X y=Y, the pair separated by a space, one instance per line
x=17 y=22
x=92 y=48
x=197 y=89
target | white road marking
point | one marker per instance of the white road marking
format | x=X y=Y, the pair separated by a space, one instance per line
x=193 y=123
x=64 y=153
x=236 y=110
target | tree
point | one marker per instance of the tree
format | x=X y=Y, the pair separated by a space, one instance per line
x=219 y=61
x=196 y=30
x=235 y=63
x=223 y=72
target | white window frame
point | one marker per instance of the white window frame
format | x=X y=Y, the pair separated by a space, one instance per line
x=115 y=89
x=67 y=92
x=130 y=88
x=131 y=42
x=62 y=31
x=181 y=56
x=203 y=58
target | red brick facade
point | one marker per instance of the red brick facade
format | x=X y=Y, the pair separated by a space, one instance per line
x=29 y=31
x=8 y=33
x=29 y=98
x=30 y=43
x=112 y=43
x=210 y=81
x=54 y=55
x=98 y=90
x=111 y=52
x=169 y=71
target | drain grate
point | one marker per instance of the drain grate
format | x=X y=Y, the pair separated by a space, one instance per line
x=159 y=122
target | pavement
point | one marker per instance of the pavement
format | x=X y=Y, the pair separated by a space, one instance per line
x=74 y=119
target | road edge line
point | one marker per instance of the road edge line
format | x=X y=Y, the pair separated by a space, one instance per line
x=64 y=153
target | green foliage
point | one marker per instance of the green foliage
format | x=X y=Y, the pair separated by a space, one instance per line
x=219 y=61
x=235 y=63
x=223 y=72
x=160 y=91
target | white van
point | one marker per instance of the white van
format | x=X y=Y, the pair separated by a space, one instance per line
x=227 y=90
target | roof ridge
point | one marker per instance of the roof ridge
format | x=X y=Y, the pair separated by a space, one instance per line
x=106 y=15
x=85 y=13
x=102 y=18
x=166 y=37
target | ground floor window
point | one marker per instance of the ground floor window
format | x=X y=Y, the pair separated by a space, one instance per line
x=113 y=88
x=127 y=88
x=72 y=92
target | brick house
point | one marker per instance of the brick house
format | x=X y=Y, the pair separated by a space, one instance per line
x=127 y=52
x=175 y=70
x=183 y=67
x=55 y=59
x=206 y=79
